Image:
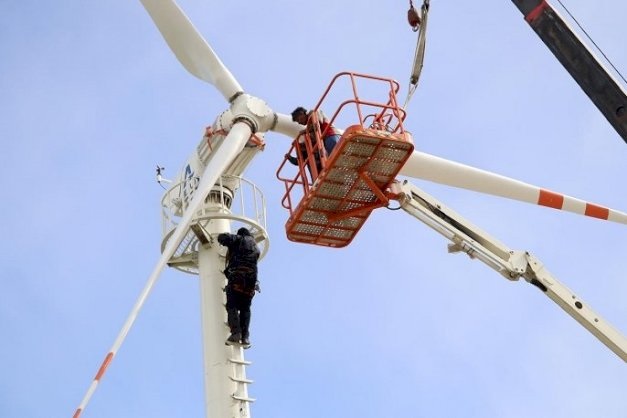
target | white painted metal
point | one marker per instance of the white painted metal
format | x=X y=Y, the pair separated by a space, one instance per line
x=438 y=170
x=212 y=282
x=577 y=308
x=218 y=369
x=468 y=238
x=226 y=385
x=245 y=205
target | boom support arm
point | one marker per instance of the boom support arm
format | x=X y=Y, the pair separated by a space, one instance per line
x=466 y=237
x=594 y=79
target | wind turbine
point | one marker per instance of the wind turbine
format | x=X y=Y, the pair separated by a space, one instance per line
x=246 y=117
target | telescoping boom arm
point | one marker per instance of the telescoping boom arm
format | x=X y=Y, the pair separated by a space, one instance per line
x=468 y=238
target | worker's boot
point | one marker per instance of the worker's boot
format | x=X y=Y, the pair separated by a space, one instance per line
x=244 y=320
x=234 y=339
x=233 y=321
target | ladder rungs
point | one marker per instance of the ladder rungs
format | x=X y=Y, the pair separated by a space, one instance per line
x=244 y=362
x=241 y=398
x=240 y=380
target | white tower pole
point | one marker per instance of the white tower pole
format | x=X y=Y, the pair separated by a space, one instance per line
x=226 y=385
x=218 y=386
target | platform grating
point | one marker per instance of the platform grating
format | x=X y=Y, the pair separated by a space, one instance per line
x=340 y=200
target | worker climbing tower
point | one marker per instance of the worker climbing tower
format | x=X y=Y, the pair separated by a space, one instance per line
x=232 y=202
x=331 y=196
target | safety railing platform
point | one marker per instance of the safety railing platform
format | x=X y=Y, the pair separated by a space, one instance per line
x=353 y=183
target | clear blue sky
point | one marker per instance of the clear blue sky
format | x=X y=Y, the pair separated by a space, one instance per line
x=392 y=326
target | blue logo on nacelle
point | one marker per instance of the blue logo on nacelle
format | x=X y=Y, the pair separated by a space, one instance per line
x=190 y=184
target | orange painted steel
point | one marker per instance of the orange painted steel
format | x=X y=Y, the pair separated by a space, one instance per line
x=331 y=197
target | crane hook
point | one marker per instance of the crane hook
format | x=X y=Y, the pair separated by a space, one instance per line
x=413 y=17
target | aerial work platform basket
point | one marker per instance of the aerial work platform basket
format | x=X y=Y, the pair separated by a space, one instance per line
x=331 y=196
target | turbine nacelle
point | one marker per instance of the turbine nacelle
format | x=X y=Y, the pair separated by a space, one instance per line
x=247 y=109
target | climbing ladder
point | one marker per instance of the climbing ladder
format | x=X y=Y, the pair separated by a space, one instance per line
x=238 y=376
x=328 y=206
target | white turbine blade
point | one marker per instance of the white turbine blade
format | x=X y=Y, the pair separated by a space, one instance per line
x=286 y=126
x=190 y=47
x=224 y=155
x=438 y=170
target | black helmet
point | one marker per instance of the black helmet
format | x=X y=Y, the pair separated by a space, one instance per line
x=243 y=232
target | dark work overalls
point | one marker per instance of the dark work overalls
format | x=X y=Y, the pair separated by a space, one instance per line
x=241 y=274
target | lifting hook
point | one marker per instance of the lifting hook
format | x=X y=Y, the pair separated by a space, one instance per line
x=413 y=17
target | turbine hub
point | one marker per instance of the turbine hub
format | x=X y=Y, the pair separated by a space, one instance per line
x=253 y=111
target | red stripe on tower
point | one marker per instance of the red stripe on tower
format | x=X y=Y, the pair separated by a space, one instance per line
x=550 y=199
x=597 y=211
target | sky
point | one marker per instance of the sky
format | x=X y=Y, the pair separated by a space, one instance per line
x=390 y=326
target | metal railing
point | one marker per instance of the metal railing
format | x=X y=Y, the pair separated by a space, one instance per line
x=232 y=197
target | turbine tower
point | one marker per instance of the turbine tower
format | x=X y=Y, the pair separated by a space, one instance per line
x=200 y=205
x=232 y=200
